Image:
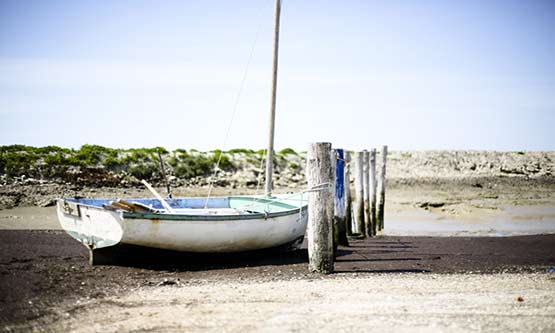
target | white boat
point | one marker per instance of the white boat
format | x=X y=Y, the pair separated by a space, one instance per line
x=228 y=224
x=213 y=225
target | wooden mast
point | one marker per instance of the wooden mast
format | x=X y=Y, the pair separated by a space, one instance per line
x=270 y=151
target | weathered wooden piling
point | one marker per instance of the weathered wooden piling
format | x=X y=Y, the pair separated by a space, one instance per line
x=373 y=189
x=320 y=176
x=382 y=185
x=339 y=225
x=366 y=192
x=359 y=194
x=349 y=226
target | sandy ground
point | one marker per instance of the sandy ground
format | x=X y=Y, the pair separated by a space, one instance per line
x=342 y=303
x=396 y=283
x=393 y=282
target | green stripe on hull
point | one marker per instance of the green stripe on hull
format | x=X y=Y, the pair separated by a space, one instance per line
x=184 y=217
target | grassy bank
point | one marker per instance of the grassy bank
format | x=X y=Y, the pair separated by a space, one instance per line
x=101 y=166
x=93 y=164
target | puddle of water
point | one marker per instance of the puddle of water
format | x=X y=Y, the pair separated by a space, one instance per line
x=511 y=221
x=537 y=212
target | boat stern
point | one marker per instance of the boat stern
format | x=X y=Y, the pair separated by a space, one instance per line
x=93 y=226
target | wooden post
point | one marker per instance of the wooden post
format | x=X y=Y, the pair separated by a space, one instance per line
x=366 y=191
x=348 y=201
x=373 y=188
x=339 y=225
x=381 y=202
x=359 y=194
x=320 y=173
x=333 y=161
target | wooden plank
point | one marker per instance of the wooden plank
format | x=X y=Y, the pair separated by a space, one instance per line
x=158 y=196
x=137 y=207
x=121 y=206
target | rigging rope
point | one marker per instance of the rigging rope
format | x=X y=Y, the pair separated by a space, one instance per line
x=260 y=172
x=316 y=188
x=236 y=104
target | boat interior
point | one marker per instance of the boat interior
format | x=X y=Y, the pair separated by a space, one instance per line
x=233 y=205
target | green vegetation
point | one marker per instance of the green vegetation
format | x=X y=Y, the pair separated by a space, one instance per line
x=17 y=160
x=261 y=153
x=145 y=171
x=241 y=151
x=287 y=151
x=194 y=163
x=187 y=165
x=15 y=164
x=131 y=164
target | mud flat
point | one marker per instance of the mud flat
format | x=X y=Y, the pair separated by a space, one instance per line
x=447 y=283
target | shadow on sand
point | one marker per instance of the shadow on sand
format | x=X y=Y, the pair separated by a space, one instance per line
x=162 y=260
x=356 y=258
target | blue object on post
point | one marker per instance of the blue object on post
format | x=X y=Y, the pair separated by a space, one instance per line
x=339 y=225
x=340 y=183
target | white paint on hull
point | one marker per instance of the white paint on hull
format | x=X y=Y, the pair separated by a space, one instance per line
x=92 y=226
x=98 y=228
x=215 y=235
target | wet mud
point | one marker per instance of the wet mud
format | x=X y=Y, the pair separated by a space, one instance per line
x=41 y=269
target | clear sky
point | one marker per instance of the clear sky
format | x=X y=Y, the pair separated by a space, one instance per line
x=411 y=74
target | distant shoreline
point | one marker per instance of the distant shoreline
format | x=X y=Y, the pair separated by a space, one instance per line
x=36 y=176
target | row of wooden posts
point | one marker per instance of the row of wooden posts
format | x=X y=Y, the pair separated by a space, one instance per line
x=332 y=217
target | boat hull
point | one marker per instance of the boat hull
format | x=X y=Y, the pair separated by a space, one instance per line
x=214 y=235
x=97 y=227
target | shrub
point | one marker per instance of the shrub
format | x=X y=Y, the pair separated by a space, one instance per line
x=144 y=171
x=55 y=159
x=157 y=150
x=225 y=162
x=261 y=152
x=15 y=149
x=286 y=151
x=173 y=161
x=52 y=149
x=18 y=163
x=113 y=162
x=89 y=155
x=241 y=151
x=189 y=166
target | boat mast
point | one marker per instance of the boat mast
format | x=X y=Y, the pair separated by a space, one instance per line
x=270 y=151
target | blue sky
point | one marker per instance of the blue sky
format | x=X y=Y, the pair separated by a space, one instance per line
x=410 y=74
